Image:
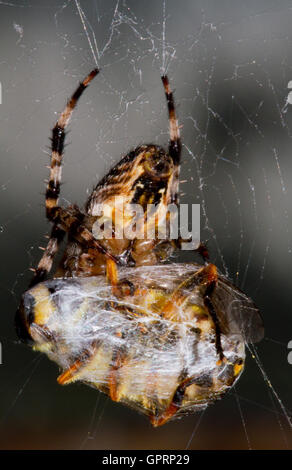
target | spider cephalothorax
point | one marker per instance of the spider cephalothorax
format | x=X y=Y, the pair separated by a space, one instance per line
x=146 y=176
x=165 y=339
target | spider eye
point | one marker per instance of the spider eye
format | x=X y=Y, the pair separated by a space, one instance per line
x=159 y=166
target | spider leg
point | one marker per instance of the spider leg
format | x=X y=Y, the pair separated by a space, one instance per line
x=53 y=187
x=46 y=261
x=201 y=249
x=70 y=220
x=206 y=276
x=58 y=139
x=175 y=151
x=60 y=216
x=175 y=143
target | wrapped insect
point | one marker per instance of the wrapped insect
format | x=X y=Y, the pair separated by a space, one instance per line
x=169 y=342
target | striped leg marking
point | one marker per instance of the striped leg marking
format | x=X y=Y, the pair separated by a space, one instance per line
x=46 y=261
x=53 y=187
x=58 y=139
x=175 y=143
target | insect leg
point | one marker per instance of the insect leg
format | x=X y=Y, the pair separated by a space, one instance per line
x=118 y=360
x=112 y=275
x=209 y=305
x=178 y=397
x=68 y=376
x=57 y=149
x=71 y=374
x=174 y=406
x=206 y=276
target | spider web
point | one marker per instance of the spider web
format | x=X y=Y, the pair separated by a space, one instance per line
x=230 y=66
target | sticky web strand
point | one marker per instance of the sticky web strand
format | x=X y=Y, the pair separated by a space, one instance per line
x=242 y=419
x=90 y=433
x=195 y=430
x=280 y=422
x=36 y=363
x=83 y=21
x=255 y=356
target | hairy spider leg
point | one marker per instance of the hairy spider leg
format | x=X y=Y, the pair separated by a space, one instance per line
x=175 y=148
x=63 y=219
x=174 y=134
x=46 y=261
x=53 y=187
x=70 y=220
x=58 y=140
x=175 y=151
x=201 y=249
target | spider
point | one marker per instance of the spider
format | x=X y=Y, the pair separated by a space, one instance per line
x=146 y=175
x=113 y=315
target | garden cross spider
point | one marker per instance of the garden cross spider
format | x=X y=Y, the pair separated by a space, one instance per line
x=166 y=339
x=147 y=175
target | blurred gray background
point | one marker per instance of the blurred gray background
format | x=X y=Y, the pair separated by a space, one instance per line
x=230 y=64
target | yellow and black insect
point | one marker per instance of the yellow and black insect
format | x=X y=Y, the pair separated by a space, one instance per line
x=164 y=338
